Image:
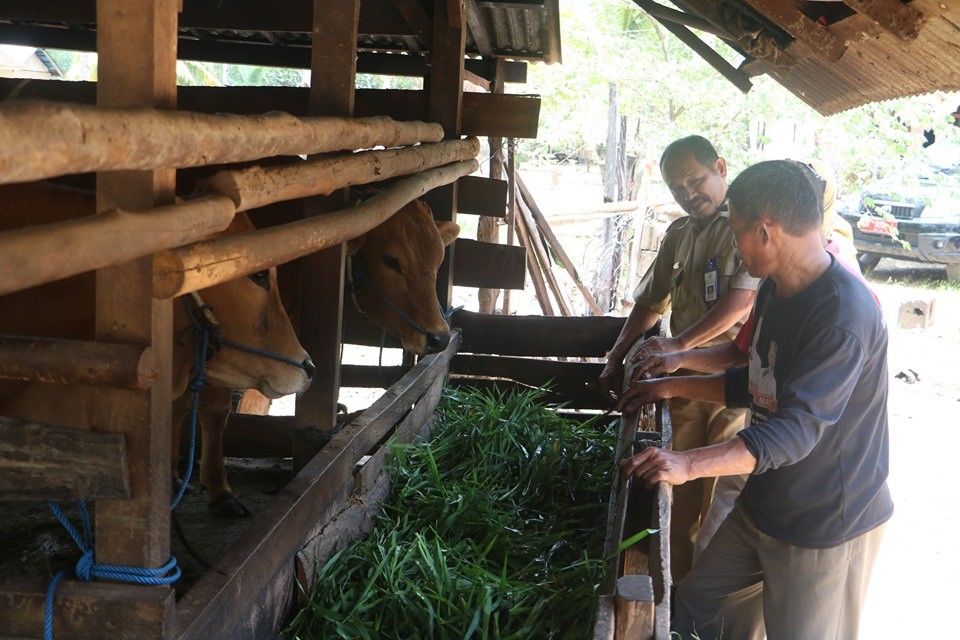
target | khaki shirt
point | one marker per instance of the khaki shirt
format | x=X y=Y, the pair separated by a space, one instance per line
x=676 y=279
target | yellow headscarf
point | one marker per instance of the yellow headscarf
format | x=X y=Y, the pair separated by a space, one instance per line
x=834 y=226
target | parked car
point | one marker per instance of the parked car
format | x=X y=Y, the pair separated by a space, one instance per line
x=918 y=221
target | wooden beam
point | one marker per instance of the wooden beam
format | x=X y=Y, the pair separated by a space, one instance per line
x=711 y=57
x=487 y=264
x=76 y=362
x=477 y=28
x=537 y=336
x=110 y=238
x=58 y=139
x=544 y=258
x=898 y=18
x=136 y=69
x=261 y=561
x=634 y=608
x=211 y=262
x=657 y=10
x=526 y=240
x=255 y=187
x=45 y=462
x=576 y=381
x=813 y=34
x=482 y=196
x=82 y=610
x=418 y=20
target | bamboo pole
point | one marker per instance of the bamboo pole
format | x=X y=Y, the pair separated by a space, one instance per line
x=41 y=140
x=557 y=247
x=125 y=366
x=259 y=186
x=44 y=253
x=205 y=264
x=543 y=257
x=511 y=208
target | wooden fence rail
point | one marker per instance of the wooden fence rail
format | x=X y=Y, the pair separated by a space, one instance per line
x=40 y=140
x=125 y=366
x=211 y=262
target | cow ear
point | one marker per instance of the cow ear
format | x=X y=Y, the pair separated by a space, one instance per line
x=354 y=245
x=448 y=231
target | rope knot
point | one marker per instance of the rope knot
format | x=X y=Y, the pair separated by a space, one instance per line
x=85 y=566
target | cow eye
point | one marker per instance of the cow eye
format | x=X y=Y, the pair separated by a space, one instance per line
x=261 y=279
x=392 y=263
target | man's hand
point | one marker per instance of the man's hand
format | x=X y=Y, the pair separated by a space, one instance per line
x=611 y=380
x=653 y=465
x=658 y=366
x=644 y=392
x=656 y=345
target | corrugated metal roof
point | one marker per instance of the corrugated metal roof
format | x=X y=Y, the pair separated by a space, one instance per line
x=876 y=64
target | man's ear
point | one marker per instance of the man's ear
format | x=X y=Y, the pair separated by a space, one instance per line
x=354 y=245
x=448 y=231
x=721 y=167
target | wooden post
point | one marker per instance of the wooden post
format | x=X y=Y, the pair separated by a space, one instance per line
x=445 y=98
x=543 y=257
x=539 y=286
x=137 y=67
x=511 y=207
x=487 y=230
x=634 y=608
x=333 y=70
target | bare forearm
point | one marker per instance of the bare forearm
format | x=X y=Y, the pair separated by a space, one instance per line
x=713 y=359
x=640 y=320
x=729 y=309
x=731 y=458
x=710 y=388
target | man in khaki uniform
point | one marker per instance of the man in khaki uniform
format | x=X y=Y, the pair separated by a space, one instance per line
x=699 y=276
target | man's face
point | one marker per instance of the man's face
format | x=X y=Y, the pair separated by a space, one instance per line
x=747 y=236
x=697 y=188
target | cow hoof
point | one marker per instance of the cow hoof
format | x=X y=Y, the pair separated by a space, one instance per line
x=227 y=506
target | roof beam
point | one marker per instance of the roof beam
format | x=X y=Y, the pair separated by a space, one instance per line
x=902 y=20
x=714 y=59
x=823 y=43
x=418 y=20
x=480 y=37
x=748 y=34
x=679 y=17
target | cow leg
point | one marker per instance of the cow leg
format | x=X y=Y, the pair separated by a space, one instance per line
x=215 y=403
x=180 y=411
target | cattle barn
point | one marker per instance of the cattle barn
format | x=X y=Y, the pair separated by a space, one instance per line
x=172 y=167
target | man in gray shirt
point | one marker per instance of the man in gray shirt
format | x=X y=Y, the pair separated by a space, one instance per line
x=794 y=557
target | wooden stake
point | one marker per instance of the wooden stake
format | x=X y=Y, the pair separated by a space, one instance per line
x=543 y=257
x=41 y=140
x=557 y=247
x=536 y=276
x=511 y=208
x=205 y=264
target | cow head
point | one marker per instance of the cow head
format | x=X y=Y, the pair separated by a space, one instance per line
x=400 y=258
x=250 y=313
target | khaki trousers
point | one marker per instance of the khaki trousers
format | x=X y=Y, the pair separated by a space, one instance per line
x=696 y=424
x=748 y=585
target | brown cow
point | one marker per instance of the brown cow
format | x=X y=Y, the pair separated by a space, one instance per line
x=248 y=309
x=394 y=276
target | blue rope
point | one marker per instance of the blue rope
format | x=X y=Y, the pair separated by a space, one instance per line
x=198 y=380
x=87 y=569
x=261 y=352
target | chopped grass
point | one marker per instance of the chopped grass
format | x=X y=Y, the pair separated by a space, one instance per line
x=495 y=530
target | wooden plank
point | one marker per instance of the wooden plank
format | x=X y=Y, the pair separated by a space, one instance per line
x=45 y=462
x=76 y=362
x=482 y=196
x=527 y=240
x=544 y=258
x=86 y=610
x=603 y=627
x=262 y=560
x=136 y=68
x=634 y=608
x=370 y=376
x=902 y=20
x=823 y=43
x=536 y=335
x=479 y=31
x=485 y=264
x=736 y=77
x=416 y=18
x=251 y=436
x=574 y=379
x=371 y=487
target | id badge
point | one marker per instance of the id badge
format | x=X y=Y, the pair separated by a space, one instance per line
x=710 y=284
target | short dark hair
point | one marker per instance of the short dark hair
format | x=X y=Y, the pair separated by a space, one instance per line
x=697 y=146
x=782 y=190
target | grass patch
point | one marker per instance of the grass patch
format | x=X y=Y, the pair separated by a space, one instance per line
x=495 y=530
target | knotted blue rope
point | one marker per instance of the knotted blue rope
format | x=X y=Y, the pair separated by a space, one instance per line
x=87 y=568
x=198 y=380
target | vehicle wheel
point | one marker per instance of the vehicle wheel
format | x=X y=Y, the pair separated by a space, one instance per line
x=867 y=261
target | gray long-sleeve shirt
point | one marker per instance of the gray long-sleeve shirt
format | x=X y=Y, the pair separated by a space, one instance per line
x=817 y=386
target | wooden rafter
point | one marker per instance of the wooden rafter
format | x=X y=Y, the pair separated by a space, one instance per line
x=750 y=36
x=823 y=43
x=418 y=20
x=902 y=20
x=679 y=17
x=478 y=30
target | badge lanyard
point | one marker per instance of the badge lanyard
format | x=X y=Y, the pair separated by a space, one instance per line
x=711 y=279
